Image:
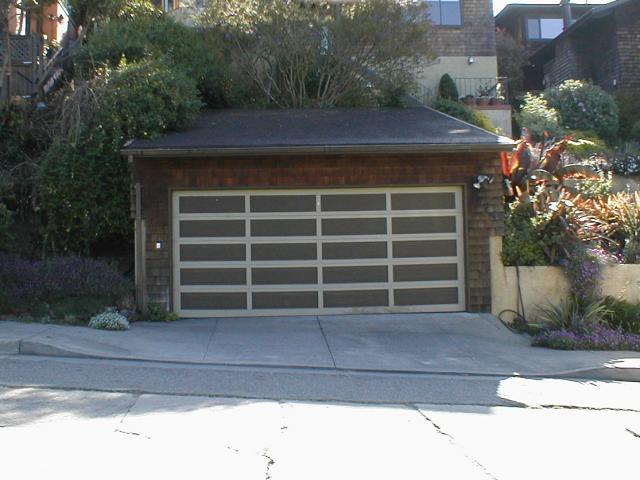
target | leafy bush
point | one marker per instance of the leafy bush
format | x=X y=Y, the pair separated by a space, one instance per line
x=25 y=283
x=5 y=226
x=635 y=131
x=447 y=88
x=109 y=321
x=583 y=106
x=585 y=144
x=623 y=315
x=625 y=159
x=154 y=312
x=84 y=186
x=600 y=186
x=629 y=115
x=601 y=337
x=538 y=117
x=462 y=112
x=197 y=54
x=521 y=245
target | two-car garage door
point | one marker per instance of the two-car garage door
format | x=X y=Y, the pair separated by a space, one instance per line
x=275 y=252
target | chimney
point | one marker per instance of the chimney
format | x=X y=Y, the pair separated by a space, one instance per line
x=566 y=13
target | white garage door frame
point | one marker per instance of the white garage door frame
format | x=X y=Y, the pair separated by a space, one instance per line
x=249 y=289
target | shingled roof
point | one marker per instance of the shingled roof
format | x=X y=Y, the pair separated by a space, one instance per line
x=321 y=131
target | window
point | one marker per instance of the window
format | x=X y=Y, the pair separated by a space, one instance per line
x=445 y=12
x=544 y=28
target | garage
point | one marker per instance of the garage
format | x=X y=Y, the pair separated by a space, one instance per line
x=308 y=212
x=266 y=252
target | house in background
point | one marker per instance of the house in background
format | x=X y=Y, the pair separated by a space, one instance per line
x=535 y=25
x=602 y=46
x=31 y=35
x=464 y=45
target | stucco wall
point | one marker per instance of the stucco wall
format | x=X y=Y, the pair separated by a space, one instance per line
x=457 y=67
x=547 y=285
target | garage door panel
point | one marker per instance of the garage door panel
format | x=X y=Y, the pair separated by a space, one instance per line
x=353 y=202
x=354 y=226
x=425 y=273
x=280 y=300
x=426 y=296
x=284 y=251
x=356 y=298
x=213 y=276
x=283 y=203
x=212 y=228
x=284 y=276
x=356 y=274
x=212 y=204
x=354 y=250
x=283 y=228
x=408 y=225
x=425 y=248
x=213 y=301
x=212 y=253
x=275 y=252
x=423 y=201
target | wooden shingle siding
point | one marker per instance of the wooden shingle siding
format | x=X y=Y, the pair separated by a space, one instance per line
x=475 y=37
x=159 y=177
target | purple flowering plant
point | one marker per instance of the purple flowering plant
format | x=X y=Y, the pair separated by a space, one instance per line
x=24 y=282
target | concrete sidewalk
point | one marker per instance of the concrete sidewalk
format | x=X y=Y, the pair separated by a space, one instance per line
x=462 y=343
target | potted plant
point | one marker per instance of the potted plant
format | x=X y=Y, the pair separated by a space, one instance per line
x=468 y=100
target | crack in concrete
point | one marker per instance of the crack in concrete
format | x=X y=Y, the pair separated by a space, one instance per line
x=213 y=331
x=637 y=435
x=270 y=463
x=326 y=342
x=453 y=443
x=582 y=407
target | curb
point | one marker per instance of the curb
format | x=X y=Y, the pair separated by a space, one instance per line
x=9 y=347
x=27 y=347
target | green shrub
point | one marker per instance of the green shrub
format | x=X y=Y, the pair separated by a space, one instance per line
x=583 y=106
x=198 y=55
x=521 y=244
x=538 y=117
x=629 y=115
x=597 y=187
x=462 y=112
x=585 y=144
x=84 y=187
x=154 y=312
x=623 y=315
x=635 y=131
x=447 y=88
x=5 y=226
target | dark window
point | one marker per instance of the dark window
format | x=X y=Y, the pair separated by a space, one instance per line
x=445 y=12
x=543 y=28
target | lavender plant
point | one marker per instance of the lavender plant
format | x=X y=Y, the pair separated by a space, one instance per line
x=600 y=337
x=24 y=282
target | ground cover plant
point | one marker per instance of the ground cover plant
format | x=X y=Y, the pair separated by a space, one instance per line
x=59 y=289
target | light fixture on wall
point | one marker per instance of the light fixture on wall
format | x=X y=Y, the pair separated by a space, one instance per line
x=482 y=179
x=471 y=60
x=158 y=245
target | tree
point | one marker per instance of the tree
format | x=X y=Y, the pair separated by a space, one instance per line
x=512 y=57
x=301 y=54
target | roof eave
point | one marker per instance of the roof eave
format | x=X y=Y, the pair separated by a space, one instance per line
x=504 y=145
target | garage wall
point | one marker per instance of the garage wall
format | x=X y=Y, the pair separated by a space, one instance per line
x=158 y=177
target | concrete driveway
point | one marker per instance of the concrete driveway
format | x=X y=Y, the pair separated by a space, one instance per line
x=434 y=343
